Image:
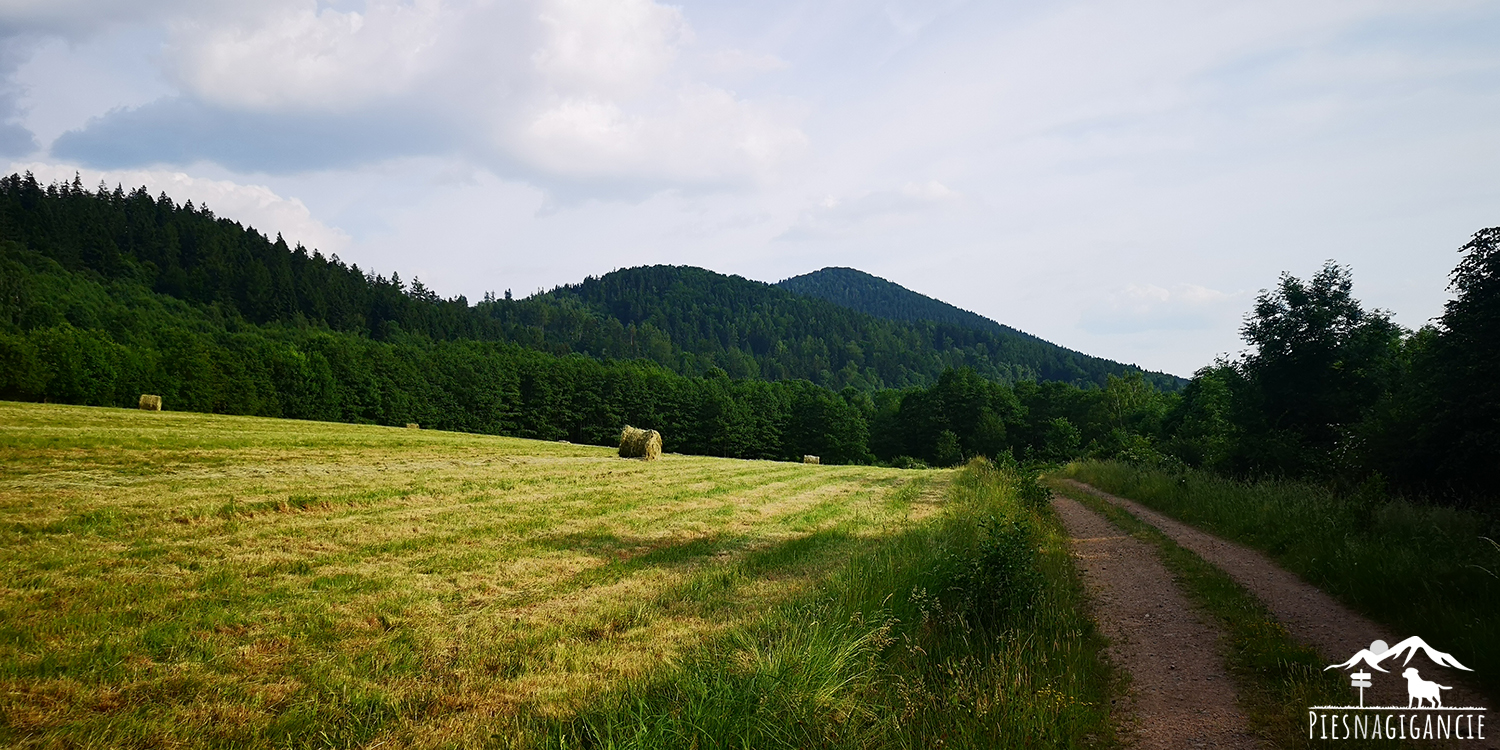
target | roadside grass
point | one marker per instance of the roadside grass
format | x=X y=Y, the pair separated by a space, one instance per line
x=1276 y=678
x=1422 y=570
x=186 y=580
x=965 y=631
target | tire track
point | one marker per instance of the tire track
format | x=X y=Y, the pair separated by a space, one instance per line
x=1310 y=615
x=1181 y=694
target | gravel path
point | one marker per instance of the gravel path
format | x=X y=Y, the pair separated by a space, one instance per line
x=1310 y=615
x=1181 y=694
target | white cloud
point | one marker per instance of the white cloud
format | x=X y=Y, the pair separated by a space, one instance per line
x=615 y=46
x=569 y=93
x=1148 y=307
x=251 y=205
x=702 y=136
x=910 y=17
x=1091 y=142
x=741 y=61
x=833 y=215
x=304 y=56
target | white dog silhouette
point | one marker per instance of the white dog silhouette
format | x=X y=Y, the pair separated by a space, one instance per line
x=1419 y=690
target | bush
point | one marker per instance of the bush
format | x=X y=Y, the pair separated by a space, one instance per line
x=947 y=451
x=907 y=462
x=1001 y=579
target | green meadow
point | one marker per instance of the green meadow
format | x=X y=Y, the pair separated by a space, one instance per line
x=189 y=580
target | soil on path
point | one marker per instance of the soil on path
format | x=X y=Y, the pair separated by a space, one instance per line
x=1181 y=694
x=1311 y=616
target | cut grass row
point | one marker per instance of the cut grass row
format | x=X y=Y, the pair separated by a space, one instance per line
x=1422 y=570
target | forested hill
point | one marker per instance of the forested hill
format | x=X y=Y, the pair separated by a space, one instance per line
x=857 y=290
x=689 y=320
x=872 y=295
x=753 y=329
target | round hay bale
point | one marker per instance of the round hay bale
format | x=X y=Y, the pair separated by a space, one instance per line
x=637 y=443
x=651 y=445
x=630 y=439
x=150 y=402
x=413 y=426
x=811 y=460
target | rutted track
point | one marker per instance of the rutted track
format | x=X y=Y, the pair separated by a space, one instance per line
x=1182 y=696
x=1310 y=615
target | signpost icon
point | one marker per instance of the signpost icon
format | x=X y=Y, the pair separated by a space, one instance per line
x=1360 y=680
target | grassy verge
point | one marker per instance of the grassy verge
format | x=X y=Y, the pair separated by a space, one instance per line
x=1422 y=570
x=964 y=631
x=1277 y=678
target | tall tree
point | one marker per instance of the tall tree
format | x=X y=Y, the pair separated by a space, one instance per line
x=1320 y=364
x=1459 y=370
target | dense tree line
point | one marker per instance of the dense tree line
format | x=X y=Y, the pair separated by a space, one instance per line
x=1331 y=391
x=105 y=295
x=964 y=415
x=69 y=338
x=83 y=339
x=686 y=319
x=1328 y=392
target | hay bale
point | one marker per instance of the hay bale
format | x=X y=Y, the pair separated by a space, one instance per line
x=652 y=448
x=637 y=443
x=811 y=460
x=150 y=402
x=413 y=426
x=630 y=439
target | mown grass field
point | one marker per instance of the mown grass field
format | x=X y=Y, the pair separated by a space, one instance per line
x=188 y=580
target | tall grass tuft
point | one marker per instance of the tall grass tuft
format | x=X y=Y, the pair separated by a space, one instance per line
x=1420 y=569
x=966 y=630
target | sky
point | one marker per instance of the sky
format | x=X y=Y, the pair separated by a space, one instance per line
x=1121 y=178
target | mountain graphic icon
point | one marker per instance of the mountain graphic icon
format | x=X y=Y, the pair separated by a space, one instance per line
x=1378 y=652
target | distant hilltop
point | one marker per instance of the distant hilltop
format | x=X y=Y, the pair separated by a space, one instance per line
x=856 y=290
x=752 y=329
x=870 y=294
x=692 y=321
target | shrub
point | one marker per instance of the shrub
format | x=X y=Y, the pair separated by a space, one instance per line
x=1001 y=578
x=907 y=462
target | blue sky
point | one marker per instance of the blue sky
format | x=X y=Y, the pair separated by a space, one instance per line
x=1118 y=177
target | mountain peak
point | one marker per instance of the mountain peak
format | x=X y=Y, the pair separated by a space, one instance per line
x=863 y=292
x=872 y=295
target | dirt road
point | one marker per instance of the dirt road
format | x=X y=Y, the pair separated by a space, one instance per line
x=1183 y=697
x=1311 y=616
